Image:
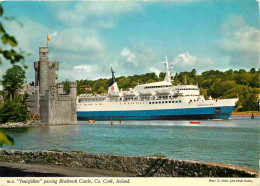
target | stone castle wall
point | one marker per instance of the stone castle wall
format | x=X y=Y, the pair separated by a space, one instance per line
x=51 y=103
x=139 y=165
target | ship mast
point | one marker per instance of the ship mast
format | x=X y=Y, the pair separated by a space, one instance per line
x=168 y=75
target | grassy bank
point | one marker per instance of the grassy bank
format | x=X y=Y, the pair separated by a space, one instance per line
x=256 y=113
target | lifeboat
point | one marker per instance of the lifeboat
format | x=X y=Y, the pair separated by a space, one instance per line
x=130 y=93
x=163 y=91
x=146 y=93
x=113 y=94
x=90 y=121
x=195 y=122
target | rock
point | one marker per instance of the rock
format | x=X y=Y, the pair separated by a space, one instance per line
x=140 y=166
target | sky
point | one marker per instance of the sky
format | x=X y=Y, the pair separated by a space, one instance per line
x=87 y=38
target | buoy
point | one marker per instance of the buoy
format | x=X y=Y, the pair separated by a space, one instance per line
x=195 y=122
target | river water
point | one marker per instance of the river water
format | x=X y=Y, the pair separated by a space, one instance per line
x=234 y=141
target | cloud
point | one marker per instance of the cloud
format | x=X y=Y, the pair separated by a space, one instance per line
x=155 y=70
x=135 y=59
x=187 y=62
x=77 y=41
x=240 y=43
x=86 y=68
x=89 y=71
x=96 y=14
x=129 y=56
x=184 y=59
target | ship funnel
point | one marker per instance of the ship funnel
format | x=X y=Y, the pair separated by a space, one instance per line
x=112 y=87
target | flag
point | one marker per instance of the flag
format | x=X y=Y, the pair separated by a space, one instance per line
x=48 y=38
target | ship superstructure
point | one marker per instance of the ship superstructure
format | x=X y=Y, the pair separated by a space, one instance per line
x=153 y=101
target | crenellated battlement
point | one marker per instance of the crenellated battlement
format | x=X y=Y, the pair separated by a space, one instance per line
x=43 y=49
x=73 y=84
x=60 y=85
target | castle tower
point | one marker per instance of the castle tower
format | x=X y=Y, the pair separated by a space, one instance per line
x=46 y=72
x=43 y=70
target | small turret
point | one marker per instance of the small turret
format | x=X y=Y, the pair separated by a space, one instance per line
x=60 y=88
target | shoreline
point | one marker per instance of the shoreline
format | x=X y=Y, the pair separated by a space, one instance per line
x=244 y=115
x=138 y=166
x=29 y=123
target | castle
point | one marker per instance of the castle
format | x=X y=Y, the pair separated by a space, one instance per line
x=47 y=97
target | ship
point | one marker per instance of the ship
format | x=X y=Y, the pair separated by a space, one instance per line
x=153 y=101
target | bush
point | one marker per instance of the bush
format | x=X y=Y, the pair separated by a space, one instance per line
x=14 y=110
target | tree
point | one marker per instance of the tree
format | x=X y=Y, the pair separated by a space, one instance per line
x=66 y=86
x=14 y=110
x=13 y=80
x=252 y=70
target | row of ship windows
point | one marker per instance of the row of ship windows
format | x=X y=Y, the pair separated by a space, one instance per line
x=158 y=86
x=187 y=89
x=92 y=99
x=153 y=102
x=159 y=102
x=170 y=86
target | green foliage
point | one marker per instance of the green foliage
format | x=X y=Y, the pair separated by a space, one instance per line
x=14 y=110
x=77 y=151
x=13 y=80
x=55 y=150
x=5 y=139
x=66 y=87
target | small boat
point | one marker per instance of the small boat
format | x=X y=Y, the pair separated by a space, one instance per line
x=90 y=121
x=195 y=122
